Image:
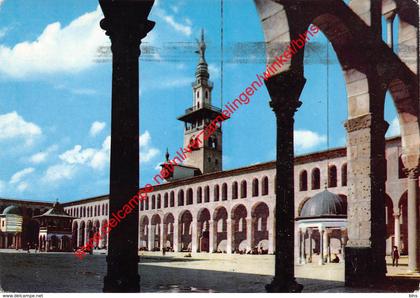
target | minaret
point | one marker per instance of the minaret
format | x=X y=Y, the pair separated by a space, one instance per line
x=208 y=155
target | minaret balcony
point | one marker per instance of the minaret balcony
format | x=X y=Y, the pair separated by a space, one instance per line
x=205 y=111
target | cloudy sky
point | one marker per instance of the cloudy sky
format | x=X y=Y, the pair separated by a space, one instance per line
x=55 y=75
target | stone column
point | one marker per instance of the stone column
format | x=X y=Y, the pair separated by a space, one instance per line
x=126 y=24
x=325 y=242
x=212 y=235
x=176 y=235
x=194 y=236
x=365 y=251
x=249 y=233
x=343 y=244
x=284 y=90
x=229 y=228
x=413 y=219
x=397 y=229
x=304 y=246
x=301 y=247
x=270 y=227
x=310 y=245
x=150 y=237
x=161 y=236
x=321 y=246
x=164 y=236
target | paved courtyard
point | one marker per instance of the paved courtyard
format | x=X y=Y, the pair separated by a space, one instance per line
x=63 y=272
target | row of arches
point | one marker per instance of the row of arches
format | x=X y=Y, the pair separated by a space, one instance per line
x=202 y=194
x=220 y=230
x=83 y=231
x=316 y=178
x=89 y=211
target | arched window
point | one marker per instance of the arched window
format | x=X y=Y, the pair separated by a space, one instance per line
x=106 y=209
x=198 y=93
x=243 y=189
x=303 y=181
x=206 y=194
x=158 y=201
x=141 y=205
x=189 y=196
x=181 y=198
x=224 y=192
x=199 y=195
x=316 y=179
x=216 y=193
x=147 y=203
x=401 y=172
x=207 y=94
x=255 y=187
x=332 y=176
x=165 y=200
x=234 y=190
x=153 y=202
x=344 y=175
x=264 y=186
x=103 y=209
x=172 y=199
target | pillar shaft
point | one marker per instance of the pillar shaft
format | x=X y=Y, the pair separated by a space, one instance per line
x=321 y=246
x=397 y=230
x=310 y=246
x=325 y=246
x=249 y=233
x=126 y=24
x=212 y=235
x=284 y=90
x=176 y=235
x=194 y=236
x=229 y=228
x=365 y=251
x=271 y=231
x=413 y=220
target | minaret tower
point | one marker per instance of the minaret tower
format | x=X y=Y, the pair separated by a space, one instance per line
x=208 y=155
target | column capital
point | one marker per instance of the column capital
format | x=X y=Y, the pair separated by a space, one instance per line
x=412 y=173
x=125 y=21
x=366 y=121
x=285 y=89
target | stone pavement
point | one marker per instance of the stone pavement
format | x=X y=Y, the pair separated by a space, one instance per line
x=63 y=272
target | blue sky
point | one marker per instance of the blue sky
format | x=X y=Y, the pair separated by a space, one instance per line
x=55 y=93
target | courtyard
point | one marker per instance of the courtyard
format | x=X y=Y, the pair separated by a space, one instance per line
x=201 y=273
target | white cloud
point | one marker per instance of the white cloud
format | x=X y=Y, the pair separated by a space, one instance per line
x=12 y=126
x=394 y=128
x=59 y=172
x=185 y=29
x=57 y=49
x=18 y=176
x=306 y=139
x=3 y=31
x=1 y=2
x=43 y=155
x=147 y=152
x=22 y=186
x=96 y=128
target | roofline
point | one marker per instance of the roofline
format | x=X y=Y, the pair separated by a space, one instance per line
x=19 y=201
x=318 y=155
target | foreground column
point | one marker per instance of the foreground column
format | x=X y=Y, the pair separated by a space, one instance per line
x=176 y=235
x=413 y=219
x=284 y=90
x=126 y=24
x=194 y=236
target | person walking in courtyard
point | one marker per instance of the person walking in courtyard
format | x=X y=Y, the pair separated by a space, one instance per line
x=395 y=256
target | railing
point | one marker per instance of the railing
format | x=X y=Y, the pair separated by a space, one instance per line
x=206 y=105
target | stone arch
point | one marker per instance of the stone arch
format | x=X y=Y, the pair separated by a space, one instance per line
x=181 y=197
x=158 y=201
x=184 y=230
x=74 y=230
x=144 y=233
x=220 y=217
x=243 y=189
x=234 y=190
x=172 y=199
x=168 y=231
x=259 y=235
x=255 y=188
x=199 y=195
x=203 y=229
x=402 y=204
x=165 y=200
x=206 y=194
x=216 y=193
x=239 y=216
x=189 y=196
x=303 y=180
x=154 y=202
x=332 y=175
x=156 y=230
x=224 y=192
x=315 y=179
x=264 y=186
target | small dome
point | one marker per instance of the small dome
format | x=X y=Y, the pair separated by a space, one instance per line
x=324 y=204
x=12 y=210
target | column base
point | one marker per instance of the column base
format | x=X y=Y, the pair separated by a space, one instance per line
x=363 y=268
x=283 y=286
x=122 y=277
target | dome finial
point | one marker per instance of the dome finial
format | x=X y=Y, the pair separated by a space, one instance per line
x=201 y=47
